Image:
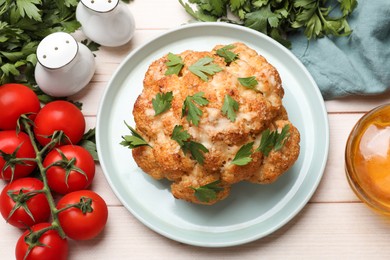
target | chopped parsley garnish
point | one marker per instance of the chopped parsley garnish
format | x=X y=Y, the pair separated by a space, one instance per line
x=270 y=140
x=208 y=192
x=230 y=107
x=190 y=109
x=228 y=55
x=249 y=82
x=134 y=140
x=182 y=137
x=243 y=156
x=162 y=102
x=273 y=140
x=204 y=67
x=174 y=64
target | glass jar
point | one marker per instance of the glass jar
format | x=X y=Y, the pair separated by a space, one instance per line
x=367 y=158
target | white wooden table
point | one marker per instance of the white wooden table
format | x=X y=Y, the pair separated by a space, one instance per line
x=333 y=225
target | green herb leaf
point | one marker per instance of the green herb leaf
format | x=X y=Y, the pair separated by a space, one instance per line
x=208 y=192
x=198 y=13
x=180 y=135
x=279 y=18
x=228 y=55
x=273 y=140
x=230 y=107
x=282 y=138
x=174 y=64
x=89 y=142
x=134 y=140
x=196 y=149
x=162 y=102
x=92 y=46
x=204 y=67
x=191 y=110
x=29 y=8
x=249 y=82
x=243 y=156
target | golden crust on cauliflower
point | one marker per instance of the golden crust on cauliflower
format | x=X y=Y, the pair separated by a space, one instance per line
x=259 y=108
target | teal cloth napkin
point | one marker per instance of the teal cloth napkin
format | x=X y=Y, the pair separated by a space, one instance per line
x=355 y=65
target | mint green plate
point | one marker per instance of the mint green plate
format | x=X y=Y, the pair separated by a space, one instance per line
x=251 y=211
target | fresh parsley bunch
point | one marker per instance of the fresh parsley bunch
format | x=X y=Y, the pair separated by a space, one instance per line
x=278 y=18
x=23 y=24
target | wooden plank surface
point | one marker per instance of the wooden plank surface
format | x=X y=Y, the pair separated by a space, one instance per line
x=333 y=225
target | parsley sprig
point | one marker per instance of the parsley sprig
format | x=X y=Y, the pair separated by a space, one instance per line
x=134 y=140
x=182 y=137
x=208 y=192
x=243 y=156
x=270 y=140
x=204 y=67
x=230 y=107
x=162 y=102
x=273 y=140
x=190 y=109
x=249 y=82
x=175 y=64
x=23 y=24
x=228 y=55
x=278 y=18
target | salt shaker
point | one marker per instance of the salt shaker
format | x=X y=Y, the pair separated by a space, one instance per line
x=64 y=66
x=106 y=22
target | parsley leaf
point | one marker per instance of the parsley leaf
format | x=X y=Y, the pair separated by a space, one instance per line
x=262 y=19
x=134 y=140
x=196 y=149
x=243 y=156
x=182 y=138
x=208 y=192
x=273 y=140
x=249 y=82
x=180 y=135
x=204 y=67
x=228 y=55
x=174 y=64
x=229 y=107
x=29 y=8
x=279 y=18
x=191 y=110
x=162 y=102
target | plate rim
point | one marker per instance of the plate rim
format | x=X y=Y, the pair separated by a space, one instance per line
x=321 y=107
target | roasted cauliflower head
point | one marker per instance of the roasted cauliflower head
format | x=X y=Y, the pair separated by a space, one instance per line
x=210 y=119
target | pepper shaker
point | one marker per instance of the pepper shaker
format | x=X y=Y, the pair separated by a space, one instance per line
x=64 y=66
x=106 y=22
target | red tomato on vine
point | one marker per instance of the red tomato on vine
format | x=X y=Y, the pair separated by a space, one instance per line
x=75 y=170
x=87 y=221
x=50 y=246
x=14 y=146
x=15 y=100
x=29 y=208
x=56 y=116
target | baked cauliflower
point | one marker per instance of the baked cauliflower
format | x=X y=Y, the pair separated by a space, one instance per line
x=206 y=120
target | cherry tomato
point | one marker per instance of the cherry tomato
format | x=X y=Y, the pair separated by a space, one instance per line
x=36 y=204
x=59 y=115
x=66 y=178
x=51 y=245
x=78 y=225
x=15 y=100
x=10 y=141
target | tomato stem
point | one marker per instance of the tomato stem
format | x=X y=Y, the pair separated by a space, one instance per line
x=46 y=190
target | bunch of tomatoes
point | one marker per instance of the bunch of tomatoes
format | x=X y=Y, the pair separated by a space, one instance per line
x=48 y=174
